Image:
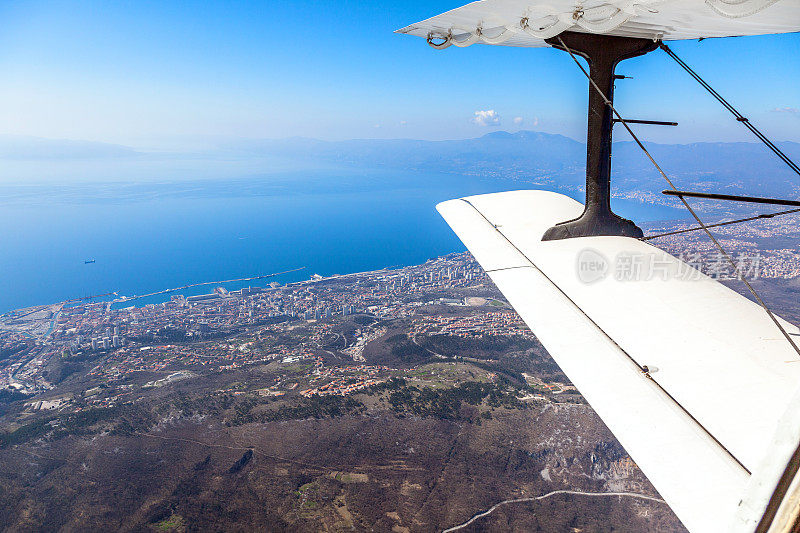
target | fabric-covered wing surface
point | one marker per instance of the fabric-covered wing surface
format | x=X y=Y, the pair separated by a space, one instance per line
x=501 y=20
x=690 y=376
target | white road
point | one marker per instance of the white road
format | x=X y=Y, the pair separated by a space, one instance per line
x=553 y=493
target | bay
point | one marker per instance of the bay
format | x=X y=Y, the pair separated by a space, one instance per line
x=149 y=236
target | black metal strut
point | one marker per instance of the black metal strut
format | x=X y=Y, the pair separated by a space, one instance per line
x=603 y=53
x=651 y=122
x=732 y=197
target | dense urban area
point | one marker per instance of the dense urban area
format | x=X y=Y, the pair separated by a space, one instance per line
x=406 y=399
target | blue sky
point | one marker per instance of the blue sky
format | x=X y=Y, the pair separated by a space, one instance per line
x=151 y=73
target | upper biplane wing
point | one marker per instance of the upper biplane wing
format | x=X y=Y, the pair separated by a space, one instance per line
x=526 y=23
x=693 y=378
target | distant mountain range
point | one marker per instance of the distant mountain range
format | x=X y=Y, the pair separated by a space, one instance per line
x=533 y=158
x=542 y=158
x=37 y=148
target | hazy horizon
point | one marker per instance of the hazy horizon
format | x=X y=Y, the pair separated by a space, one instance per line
x=523 y=154
x=200 y=143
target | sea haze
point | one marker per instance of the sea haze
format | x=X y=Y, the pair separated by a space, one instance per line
x=157 y=220
x=151 y=236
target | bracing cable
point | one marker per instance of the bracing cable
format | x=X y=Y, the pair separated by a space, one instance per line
x=726 y=223
x=683 y=200
x=739 y=117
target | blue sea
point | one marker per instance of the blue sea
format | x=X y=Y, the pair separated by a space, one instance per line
x=150 y=235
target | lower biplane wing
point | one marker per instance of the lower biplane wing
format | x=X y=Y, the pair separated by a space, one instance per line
x=695 y=380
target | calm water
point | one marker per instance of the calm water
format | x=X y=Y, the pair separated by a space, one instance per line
x=152 y=236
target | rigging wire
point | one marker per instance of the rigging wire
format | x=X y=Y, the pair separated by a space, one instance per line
x=682 y=199
x=741 y=118
x=726 y=223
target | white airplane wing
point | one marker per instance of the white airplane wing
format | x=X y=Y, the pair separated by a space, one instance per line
x=527 y=23
x=696 y=381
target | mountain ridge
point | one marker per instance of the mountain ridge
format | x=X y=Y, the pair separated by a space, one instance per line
x=531 y=157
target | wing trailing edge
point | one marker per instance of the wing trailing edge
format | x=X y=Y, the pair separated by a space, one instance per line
x=691 y=377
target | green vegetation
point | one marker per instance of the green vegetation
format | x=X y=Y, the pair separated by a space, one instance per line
x=173 y=335
x=405 y=349
x=344 y=477
x=307 y=486
x=363 y=320
x=505 y=375
x=9 y=395
x=171 y=523
x=455 y=403
x=66 y=369
x=244 y=408
x=122 y=420
x=316 y=407
x=391 y=384
x=448 y=373
x=489 y=346
x=29 y=431
x=297 y=368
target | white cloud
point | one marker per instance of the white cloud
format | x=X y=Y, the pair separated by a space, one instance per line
x=533 y=122
x=787 y=109
x=486 y=118
x=403 y=122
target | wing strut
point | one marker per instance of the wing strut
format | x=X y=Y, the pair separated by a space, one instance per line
x=603 y=53
x=719 y=247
